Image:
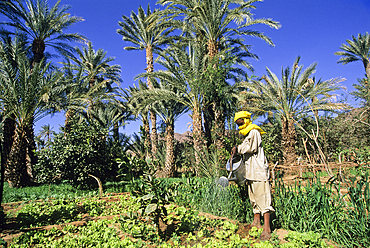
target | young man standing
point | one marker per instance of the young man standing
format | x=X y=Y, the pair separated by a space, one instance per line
x=257 y=171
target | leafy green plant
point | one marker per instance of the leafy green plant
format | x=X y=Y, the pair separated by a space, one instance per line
x=133 y=224
x=153 y=201
x=255 y=232
x=309 y=239
x=47 y=213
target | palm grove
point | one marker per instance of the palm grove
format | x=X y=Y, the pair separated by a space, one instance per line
x=201 y=47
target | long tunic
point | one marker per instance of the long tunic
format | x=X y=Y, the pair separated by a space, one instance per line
x=257 y=168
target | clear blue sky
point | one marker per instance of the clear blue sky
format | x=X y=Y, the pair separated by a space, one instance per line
x=313 y=29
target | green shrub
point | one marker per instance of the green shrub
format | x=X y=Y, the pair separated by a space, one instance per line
x=73 y=156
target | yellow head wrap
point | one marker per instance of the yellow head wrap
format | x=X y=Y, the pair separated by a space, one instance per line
x=248 y=126
x=242 y=114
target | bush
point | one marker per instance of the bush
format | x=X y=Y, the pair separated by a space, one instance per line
x=74 y=155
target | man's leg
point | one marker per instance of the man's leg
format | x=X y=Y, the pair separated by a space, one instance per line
x=256 y=212
x=266 y=234
x=257 y=221
x=260 y=196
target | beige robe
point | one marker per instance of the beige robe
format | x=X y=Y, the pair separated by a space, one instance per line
x=257 y=168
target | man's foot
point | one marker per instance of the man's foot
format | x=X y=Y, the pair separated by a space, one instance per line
x=265 y=235
x=256 y=221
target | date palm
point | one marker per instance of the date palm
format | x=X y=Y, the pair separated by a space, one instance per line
x=290 y=98
x=184 y=71
x=143 y=116
x=146 y=30
x=220 y=24
x=95 y=76
x=27 y=94
x=357 y=49
x=44 y=26
x=219 y=21
x=169 y=111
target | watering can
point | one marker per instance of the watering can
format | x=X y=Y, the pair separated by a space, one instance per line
x=237 y=171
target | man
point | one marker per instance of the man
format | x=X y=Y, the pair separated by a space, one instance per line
x=257 y=171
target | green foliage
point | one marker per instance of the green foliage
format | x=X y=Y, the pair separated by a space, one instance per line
x=255 y=232
x=132 y=224
x=362 y=92
x=153 y=199
x=225 y=202
x=94 y=234
x=54 y=212
x=271 y=141
x=309 y=239
x=45 y=191
x=76 y=154
x=316 y=208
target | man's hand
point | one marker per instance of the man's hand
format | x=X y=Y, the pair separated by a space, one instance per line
x=234 y=150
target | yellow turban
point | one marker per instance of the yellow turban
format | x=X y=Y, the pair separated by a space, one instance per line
x=248 y=125
x=242 y=114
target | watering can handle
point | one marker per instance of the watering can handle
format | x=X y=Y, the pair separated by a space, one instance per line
x=231 y=162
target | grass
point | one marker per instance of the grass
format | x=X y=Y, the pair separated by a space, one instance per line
x=46 y=191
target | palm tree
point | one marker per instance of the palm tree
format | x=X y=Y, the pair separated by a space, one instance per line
x=27 y=93
x=220 y=24
x=43 y=26
x=357 y=49
x=213 y=19
x=184 y=71
x=146 y=30
x=169 y=111
x=46 y=132
x=91 y=67
x=296 y=94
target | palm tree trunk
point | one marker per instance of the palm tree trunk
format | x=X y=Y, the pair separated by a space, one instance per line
x=147 y=143
x=38 y=48
x=208 y=123
x=115 y=132
x=2 y=167
x=219 y=132
x=198 y=137
x=31 y=148
x=212 y=48
x=15 y=168
x=67 y=123
x=153 y=117
x=288 y=141
x=8 y=133
x=169 y=166
x=367 y=67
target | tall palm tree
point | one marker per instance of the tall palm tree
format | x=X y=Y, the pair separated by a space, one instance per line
x=357 y=49
x=214 y=19
x=184 y=70
x=220 y=24
x=27 y=92
x=44 y=26
x=146 y=30
x=290 y=98
x=169 y=111
x=93 y=67
x=143 y=116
